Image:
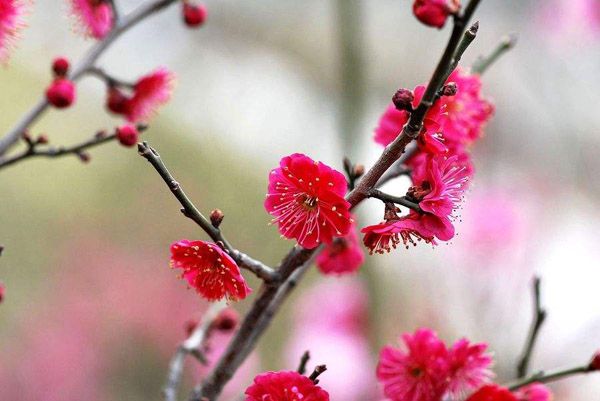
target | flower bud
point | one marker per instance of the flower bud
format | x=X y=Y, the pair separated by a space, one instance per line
x=84 y=157
x=194 y=15
x=61 y=93
x=358 y=170
x=216 y=217
x=42 y=139
x=128 y=135
x=2 y=292
x=116 y=101
x=450 y=89
x=60 y=66
x=227 y=320
x=403 y=99
x=435 y=12
x=595 y=362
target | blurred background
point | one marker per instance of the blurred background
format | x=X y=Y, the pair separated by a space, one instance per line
x=92 y=310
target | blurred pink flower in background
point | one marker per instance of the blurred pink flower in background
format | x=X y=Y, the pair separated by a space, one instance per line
x=72 y=343
x=561 y=22
x=330 y=322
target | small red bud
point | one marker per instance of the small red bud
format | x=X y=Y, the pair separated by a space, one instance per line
x=61 y=93
x=227 y=320
x=116 y=101
x=435 y=12
x=403 y=99
x=128 y=135
x=2 y=292
x=194 y=15
x=358 y=170
x=595 y=363
x=189 y=326
x=42 y=139
x=450 y=89
x=84 y=157
x=216 y=217
x=60 y=66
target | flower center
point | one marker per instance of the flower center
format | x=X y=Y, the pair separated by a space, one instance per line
x=308 y=202
x=416 y=372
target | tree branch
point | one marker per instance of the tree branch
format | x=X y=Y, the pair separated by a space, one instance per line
x=403 y=201
x=539 y=316
x=542 y=377
x=53 y=152
x=483 y=63
x=88 y=61
x=189 y=346
x=191 y=211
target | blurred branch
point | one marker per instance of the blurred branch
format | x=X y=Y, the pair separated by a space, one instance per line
x=542 y=377
x=298 y=259
x=107 y=78
x=539 y=316
x=303 y=361
x=483 y=63
x=190 y=346
x=79 y=149
x=191 y=211
x=352 y=76
x=122 y=25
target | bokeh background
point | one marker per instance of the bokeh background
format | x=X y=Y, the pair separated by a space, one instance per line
x=92 y=310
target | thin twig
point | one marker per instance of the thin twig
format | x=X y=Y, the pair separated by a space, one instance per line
x=303 y=361
x=191 y=211
x=539 y=316
x=483 y=63
x=542 y=377
x=319 y=369
x=191 y=346
x=107 y=78
x=403 y=201
x=53 y=152
x=88 y=61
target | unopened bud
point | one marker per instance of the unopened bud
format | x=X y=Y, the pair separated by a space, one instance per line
x=2 y=291
x=227 y=320
x=403 y=99
x=194 y=15
x=61 y=93
x=84 y=157
x=595 y=362
x=358 y=170
x=216 y=217
x=116 y=101
x=60 y=66
x=42 y=139
x=127 y=135
x=450 y=89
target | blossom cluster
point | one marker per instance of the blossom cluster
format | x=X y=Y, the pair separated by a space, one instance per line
x=306 y=198
x=440 y=165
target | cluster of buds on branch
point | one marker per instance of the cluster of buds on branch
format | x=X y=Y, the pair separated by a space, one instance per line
x=427 y=134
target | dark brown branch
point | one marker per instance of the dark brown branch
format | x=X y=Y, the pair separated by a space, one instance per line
x=191 y=346
x=319 y=370
x=297 y=261
x=303 y=361
x=192 y=212
x=79 y=149
x=483 y=63
x=107 y=78
x=88 y=61
x=402 y=201
x=542 y=377
x=539 y=316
